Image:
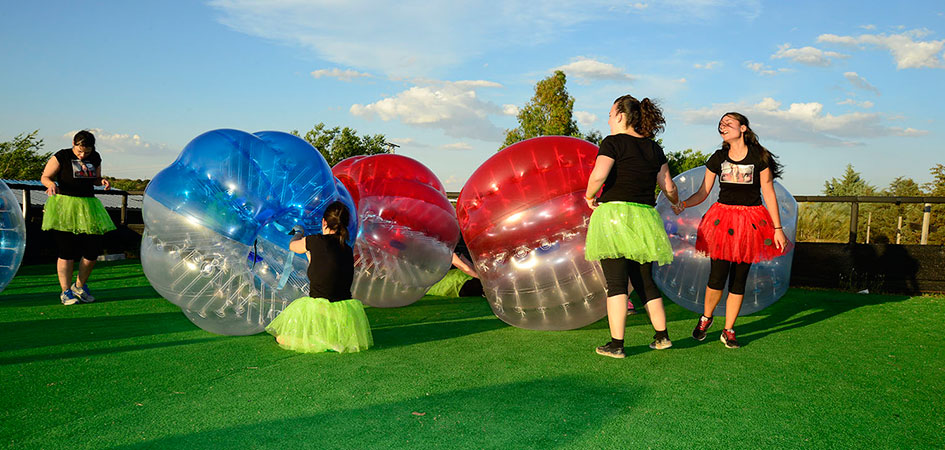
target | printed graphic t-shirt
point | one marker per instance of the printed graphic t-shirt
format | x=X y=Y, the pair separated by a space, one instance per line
x=636 y=163
x=739 y=181
x=76 y=176
x=331 y=270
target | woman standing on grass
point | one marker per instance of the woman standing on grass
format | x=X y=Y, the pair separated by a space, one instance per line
x=76 y=218
x=328 y=319
x=626 y=233
x=738 y=230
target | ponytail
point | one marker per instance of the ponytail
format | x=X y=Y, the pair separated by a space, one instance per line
x=337 y=218
x=645 y=117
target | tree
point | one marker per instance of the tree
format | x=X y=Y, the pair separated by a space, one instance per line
x=684 y=160
x=20 y=159
x=549 y=113
x=337 y=143
x=851 y=184
x=937 y=188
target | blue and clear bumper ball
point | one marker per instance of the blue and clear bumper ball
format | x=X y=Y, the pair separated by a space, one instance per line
x=12 y=235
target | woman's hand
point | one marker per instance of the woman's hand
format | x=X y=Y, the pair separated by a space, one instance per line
x=679 y=208
x=106 y=184
x=780 y=240
x=52 y=190
x=591 y=202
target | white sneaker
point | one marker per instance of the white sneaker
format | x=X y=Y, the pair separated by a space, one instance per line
x=68 y=298
x=83 y=293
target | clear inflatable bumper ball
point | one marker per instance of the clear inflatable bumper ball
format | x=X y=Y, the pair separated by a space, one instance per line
x=684 y=281
x=524 y=219
x=12 y=235
x=408 y=228
x=218 y=222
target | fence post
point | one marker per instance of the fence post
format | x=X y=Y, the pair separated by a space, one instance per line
x=926 y=218
x=124 y=208
x=26 y=205
x=854 y=217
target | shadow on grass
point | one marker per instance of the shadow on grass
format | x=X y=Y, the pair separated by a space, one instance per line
x=543 y=413
x=51 y=297
x=101 y=351
x=806 y=308
x=431 y=319
x=30 y=334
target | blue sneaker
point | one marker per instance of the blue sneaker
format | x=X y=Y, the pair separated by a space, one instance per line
x=68 y=298
x=83 y=293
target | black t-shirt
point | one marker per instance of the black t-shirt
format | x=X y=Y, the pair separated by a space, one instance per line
x=76 y=176
x=636 y=163
x=739 y=181
x=331 y=270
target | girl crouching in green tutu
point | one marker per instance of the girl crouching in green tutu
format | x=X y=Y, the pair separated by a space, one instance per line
x=75 y=217
x=328 y=319
x=625 y=232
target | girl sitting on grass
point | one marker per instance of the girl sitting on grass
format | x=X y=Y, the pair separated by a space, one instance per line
x=328 y=319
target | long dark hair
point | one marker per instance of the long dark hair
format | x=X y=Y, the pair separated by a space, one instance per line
x=337 y=218
x=751 y=140
x=644 y=116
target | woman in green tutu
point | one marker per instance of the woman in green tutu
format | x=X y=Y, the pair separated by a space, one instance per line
x=626 y=233
x=328 y=319
x=76 y=218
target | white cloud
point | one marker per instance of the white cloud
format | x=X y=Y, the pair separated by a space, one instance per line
x=585 y=118
x=868 y=27
x=343 y=75
x=803 y=122
x=864 y=104
x=639 y=6
x=128 y=155
x=763 y=69
x=860 y=82
x=907 y=52
x=707 y=66
x=510 y=110
x=453 y=107
x=809 y=56
x=457 y=146
x=586 y=69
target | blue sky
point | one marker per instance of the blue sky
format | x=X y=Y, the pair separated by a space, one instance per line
x=824 y=83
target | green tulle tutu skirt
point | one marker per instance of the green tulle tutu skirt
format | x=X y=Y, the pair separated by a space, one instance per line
x=313 y=325
x=627 y=230
x=76 y=215
x=450 y=285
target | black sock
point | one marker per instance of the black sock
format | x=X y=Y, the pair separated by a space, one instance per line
x=661 y=335
x=617 y=342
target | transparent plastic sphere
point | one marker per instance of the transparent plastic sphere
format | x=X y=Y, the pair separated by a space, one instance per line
x=524 y=220
x=408 y=228
x=684 y=281
x=12 y=235
x=218 y=222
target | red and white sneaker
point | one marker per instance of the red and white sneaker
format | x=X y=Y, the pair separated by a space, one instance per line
x=728 y=338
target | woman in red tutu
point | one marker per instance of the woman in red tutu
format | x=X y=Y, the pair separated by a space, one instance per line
x=739 y=229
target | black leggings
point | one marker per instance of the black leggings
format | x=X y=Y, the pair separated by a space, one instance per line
x=737 y=274
x=618 y=271
x=73 y=246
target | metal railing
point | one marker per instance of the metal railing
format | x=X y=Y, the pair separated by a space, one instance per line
x=855 y=201
x=27 y=203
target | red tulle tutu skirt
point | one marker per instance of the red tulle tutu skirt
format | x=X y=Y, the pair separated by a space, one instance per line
x=738 y=234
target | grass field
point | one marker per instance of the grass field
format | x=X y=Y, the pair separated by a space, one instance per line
x=819 y=369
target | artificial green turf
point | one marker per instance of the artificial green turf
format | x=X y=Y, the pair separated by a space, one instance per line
x=819 y=369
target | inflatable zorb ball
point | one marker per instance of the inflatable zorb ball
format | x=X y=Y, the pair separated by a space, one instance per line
x=524 y=220
x=218 y=222
x=684 y=280
x=408 y=228
x=12 y=235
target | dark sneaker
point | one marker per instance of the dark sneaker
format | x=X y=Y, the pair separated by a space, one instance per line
x=611 y=350
x=728 y=338
x=68 y=298
x=83 y=293
x=661 y=343
x=699 y=332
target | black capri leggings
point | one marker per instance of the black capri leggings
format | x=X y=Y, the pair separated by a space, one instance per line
x=737 y=274
x=618 y=271
x=73 y=246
